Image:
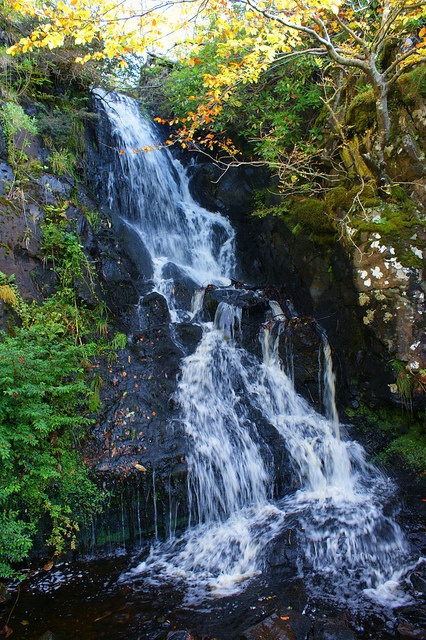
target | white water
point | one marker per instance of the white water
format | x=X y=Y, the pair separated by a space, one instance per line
x=224 y=395
x=175 y=230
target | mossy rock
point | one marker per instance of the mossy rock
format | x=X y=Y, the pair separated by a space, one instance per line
x=341 y=198
x=396 y=222
x=412 y=85
x=361 y=112
x=312 y=217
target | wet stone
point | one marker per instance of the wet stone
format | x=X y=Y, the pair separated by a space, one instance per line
x=418 y=582
x=6 y=176
x=336 y=631
x=272 y=628
x=406 y=630
x=189 y=335
x=178 y=635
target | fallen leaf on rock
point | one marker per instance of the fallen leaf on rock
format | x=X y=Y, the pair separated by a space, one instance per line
x=138 y=466
x=285 y=617
x=48 y=565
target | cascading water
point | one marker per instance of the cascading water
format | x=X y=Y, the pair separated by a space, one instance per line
x=223 y=394
x=183 y=240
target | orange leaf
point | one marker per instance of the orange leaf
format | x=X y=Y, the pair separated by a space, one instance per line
x=422 y=32
x=121 y=152
x=285 y=617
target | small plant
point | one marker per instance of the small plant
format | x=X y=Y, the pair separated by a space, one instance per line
x=62 y=162
x=95 y=387
x=119 y=341
x=15 y=121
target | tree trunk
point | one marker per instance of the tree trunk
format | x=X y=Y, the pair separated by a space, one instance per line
x=380 y=90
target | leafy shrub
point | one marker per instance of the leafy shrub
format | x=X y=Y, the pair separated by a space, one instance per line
x=16 y=121
x=43 y=482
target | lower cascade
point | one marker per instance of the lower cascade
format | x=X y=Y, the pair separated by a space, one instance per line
x=228 y=398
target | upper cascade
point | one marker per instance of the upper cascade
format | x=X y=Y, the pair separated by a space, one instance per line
x=150 y=190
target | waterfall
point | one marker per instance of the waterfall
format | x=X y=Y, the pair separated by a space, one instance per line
x=225 y=394
x=327 y=383
x=184 y=240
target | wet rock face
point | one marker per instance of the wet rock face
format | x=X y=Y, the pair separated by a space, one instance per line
x=134 y=448
x=231 y=191
x=371 y=306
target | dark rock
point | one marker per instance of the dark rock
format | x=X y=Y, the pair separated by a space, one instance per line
x=132 y=246
x=300 y=624
x=418 y=582
x=407 y=630
x=53 y=187
x=183 y=287
x=6 y=177
x=3 y=144
x=189 y=335
x=334 y=630
x=272 y=628
x=154 y=310
x=232 y=190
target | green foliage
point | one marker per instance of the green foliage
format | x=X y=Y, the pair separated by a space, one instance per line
x=15 y=121
x=61 y=247
x=43 y=483
x=62 y=162
x=119 y=341
x=266 y=115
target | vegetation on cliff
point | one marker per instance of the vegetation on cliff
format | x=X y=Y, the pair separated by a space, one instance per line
x=48 y=390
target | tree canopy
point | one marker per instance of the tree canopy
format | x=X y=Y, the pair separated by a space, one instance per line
x=378 y=40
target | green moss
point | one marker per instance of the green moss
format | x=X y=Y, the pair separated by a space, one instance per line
x=313 y=218
x=396 y=222
x=397 y=438
x=412 y=85
x=398 y=193
x=342 y=198
x=410 y=449
x=361 y=112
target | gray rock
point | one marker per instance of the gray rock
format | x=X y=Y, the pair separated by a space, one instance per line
x=6 y=176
